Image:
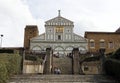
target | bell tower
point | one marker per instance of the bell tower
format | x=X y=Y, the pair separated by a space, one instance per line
x=29 y=32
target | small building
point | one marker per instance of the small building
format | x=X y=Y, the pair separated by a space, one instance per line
x=110 y=41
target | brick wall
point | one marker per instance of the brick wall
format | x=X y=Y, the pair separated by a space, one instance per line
x=30 y=32
x=107 y=37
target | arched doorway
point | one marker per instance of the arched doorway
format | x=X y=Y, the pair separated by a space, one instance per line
x=36 y=49
x=82 y=50
x=68 y=50
x=59 y=51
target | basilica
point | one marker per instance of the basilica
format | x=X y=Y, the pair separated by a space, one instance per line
x=59 y=36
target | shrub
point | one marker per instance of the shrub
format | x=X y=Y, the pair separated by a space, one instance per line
x=14 y=64
x=112 y=64
x=3 y=72
x=116 y=54
x=6 y=51
x=9 y=64
x=32 y=58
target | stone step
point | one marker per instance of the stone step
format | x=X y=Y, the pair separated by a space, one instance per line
x=64 y=64
x=61 y=79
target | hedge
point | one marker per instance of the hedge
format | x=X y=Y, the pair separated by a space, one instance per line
x=112 y=64
x=32 y=58
x=3 y=72
x=10 y=64
x=116 y=54
x=112 y=67
x=6 y=51
x=94 y=58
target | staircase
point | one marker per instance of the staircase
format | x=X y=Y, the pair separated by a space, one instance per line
x=64 y=64
x=61 y=79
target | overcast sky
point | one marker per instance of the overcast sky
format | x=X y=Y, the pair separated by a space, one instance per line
x=87 y=15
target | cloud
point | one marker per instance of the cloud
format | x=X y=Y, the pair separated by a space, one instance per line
x=102 y=14
x=14 y=15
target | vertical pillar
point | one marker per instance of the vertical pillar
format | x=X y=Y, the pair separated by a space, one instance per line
x=48 y=61
x=23 y=62
x=102 y=60
x=76 y=65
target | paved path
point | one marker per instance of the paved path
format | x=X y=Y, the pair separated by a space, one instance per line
x=61 y=79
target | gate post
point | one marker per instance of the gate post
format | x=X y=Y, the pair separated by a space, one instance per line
x=48 y=65
x=102 y=60
x=76 y=65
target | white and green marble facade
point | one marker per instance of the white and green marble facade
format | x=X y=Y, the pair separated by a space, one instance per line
x=62 y=40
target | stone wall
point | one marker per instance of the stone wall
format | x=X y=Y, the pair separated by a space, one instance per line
x=31 y=67
x=92 y=67
x=61 y=79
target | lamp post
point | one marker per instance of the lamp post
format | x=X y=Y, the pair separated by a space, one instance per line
x=1 y=40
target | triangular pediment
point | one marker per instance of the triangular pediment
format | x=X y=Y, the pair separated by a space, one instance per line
x=59 y=21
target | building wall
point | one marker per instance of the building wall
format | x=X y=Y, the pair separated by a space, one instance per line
x=108 y=37
x=65 y=47
x=30 y=32
x=92 y=67
x=52 y=35
x=58 y=35
x=30 y=67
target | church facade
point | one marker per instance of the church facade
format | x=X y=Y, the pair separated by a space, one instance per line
x=59 y=36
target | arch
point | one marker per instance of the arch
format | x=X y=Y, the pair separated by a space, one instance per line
x=68 y=49
x=82 y=50
x=102 y=40
x=102 y=43
x=91 y=40
x=36 y=48
x=92 y=43
x=48 y=46
x=59 y=49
